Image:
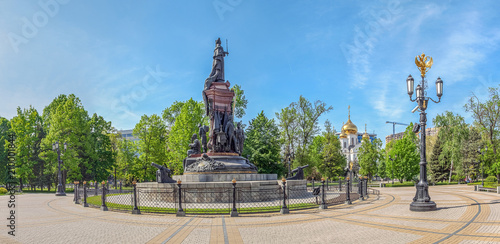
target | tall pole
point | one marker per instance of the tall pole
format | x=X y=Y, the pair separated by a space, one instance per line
x=422 y=200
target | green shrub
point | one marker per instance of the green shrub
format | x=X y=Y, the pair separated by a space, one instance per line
x=3 y=190
x=491 y=178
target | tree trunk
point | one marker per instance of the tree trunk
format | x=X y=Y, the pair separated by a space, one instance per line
x=451 y=170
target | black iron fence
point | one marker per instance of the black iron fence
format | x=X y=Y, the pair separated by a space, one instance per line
x=221 y=201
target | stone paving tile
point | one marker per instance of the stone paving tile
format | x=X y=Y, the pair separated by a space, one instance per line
x=198 y=236
x=315 y=233
x=493 y=229
x=404 y=210
x=419 y=224
x=478 y=242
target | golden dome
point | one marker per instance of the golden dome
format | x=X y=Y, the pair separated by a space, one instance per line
x=342 y=132
x=349 y=127
x=366 y=136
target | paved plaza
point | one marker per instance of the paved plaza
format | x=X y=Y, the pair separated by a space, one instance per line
x=463 y=216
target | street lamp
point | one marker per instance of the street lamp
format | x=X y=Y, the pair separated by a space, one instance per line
x=482 y=169
x=422 y=200
x=55 y=147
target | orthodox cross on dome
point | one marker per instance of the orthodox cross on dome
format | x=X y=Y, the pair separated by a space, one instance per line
x=349 y=111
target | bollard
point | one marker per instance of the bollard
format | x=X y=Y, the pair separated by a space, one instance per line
x=323 y=203
x=85 y=204
x=234 y=211
x=136 y=209
x=498 y=189
x=284 y=208
x=180 y=211
x=103 y=198
x=348 y=194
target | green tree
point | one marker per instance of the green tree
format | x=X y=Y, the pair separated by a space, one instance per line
x=369 y=154
x=240 y=102
x=185 y=125
x=67 y=122
x=452 y=133
x=315 y=150
x=331 y=161
x=487 y=116
x=4 y=132
x=407 y=157
x=151 y=131
x=125 y=159
x=389 y=157
x=439 y=168
x=469 y=151
x=101 y=155
x=288 y=133
x=382 y=166
x=27 y=125
x=263 y=146
x=299 y=123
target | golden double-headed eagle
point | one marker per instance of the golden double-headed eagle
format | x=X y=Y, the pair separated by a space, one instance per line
x=422 y=63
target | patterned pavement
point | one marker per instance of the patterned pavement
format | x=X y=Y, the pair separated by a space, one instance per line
x=463 y=216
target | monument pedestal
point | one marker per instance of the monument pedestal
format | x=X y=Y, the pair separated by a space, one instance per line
x=218 y=163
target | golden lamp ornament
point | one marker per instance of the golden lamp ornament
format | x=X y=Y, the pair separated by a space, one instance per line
x=422 y=63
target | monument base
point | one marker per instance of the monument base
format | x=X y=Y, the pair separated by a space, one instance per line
x=218 y=192
x=423 y=206
x=224 y=177
x=217 y=163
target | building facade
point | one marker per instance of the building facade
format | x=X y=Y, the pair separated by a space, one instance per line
x=350 y=142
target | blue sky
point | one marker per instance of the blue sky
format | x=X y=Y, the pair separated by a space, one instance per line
x=129 y=58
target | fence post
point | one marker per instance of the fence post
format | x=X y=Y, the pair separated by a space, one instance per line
x=76 y=192
x=361 y=190
x=284 y=209
x=323 y=203
x=85 y=204
x=120 y=186
x=340 y=184
x=313 y=183
x=234 y=211
x=327 y=187
x=103 y=198
x=366 y=187
x=347 y=193
x=180 y=211
x=136 y=209
x=96 y=188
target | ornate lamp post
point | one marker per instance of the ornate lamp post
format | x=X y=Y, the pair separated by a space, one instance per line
x=55 y=147
x=422 y=200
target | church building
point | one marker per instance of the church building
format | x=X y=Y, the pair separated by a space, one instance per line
x=350 y=140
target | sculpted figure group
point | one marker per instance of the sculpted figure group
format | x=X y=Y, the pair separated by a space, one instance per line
x=229 y=139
